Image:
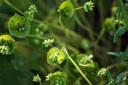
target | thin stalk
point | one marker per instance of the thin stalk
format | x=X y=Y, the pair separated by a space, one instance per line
x=77 y=67
x=100 y=35
x=78 y=8
x=8 y=3
x=40 y=83
x=19 y=11
x=39 y=37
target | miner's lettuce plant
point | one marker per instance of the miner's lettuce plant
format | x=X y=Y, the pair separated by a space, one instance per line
x=34 y=48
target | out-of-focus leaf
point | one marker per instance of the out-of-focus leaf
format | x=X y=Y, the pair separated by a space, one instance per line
x=123 y=10
x=121 y=77
x=123 y=55
x=119 y=33
x=1 y=1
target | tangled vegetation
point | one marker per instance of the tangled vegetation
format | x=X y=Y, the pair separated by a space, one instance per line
x=63 y=42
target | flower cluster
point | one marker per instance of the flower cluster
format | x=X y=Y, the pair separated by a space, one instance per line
x=57 y=78
x=48 y=42
x=7 y=45
x=55 y=56
x=37 y=78
x=29 y=14
x=102 y=72
x=88 y=6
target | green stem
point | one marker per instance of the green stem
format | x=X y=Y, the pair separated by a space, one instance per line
x=8 y=3
x=78 y=8
x=40 y=83
x=109 y=76
x=100 y=35
x=39 y=37
x=77 y=67
x=19 y=11
x=60 y=21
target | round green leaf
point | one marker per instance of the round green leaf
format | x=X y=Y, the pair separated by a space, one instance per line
x=18 y=26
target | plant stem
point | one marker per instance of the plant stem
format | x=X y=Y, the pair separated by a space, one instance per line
x=78 y=8
x=40 y=83
x=100 y=35
x=77 y=67
x=19 y=11
x=8 y=3
x=39 y=37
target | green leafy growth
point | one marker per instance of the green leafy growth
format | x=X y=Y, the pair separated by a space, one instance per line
x=119 y=79
x=18 y=26
x=121 y=30
x=37 y=78
x=57 y=78
x=88 y=6
x=55 y=56
x=7 y=45
x=102 y=72
x=66 y=9
x=123 y=55
x=123 y=11
x=109 y=24
x=29 y=14
x=86 y=61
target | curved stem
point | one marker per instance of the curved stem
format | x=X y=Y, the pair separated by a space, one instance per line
x=77 y=67
x=8 y=3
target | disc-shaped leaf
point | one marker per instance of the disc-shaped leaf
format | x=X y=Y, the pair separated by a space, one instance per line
x=19 y=26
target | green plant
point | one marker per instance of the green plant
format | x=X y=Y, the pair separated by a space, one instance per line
x=59 y=41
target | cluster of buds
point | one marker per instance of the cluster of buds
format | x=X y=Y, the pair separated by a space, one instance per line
x=57 y=78
x=7 y=45
x=29 y=14
x=88 y=6
x=55 y=56
x=48 y=42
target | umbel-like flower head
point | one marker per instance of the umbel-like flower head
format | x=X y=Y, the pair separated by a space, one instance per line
x=19 y=26
x=88 y=6
x=56 y=78
x=55 y=56
x=7 y=45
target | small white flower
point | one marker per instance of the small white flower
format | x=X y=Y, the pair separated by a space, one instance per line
x=48 y=42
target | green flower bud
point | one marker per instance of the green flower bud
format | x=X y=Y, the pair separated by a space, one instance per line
x=19 y=26
x=102 y=72
x=48 y=42
x=109 y=24
x=37 y=78
x=55 y=56
x=66 y=9
x=29 y=14
x=88 y=6
x=56 y=78
x=86 y=61
x=7 y=45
